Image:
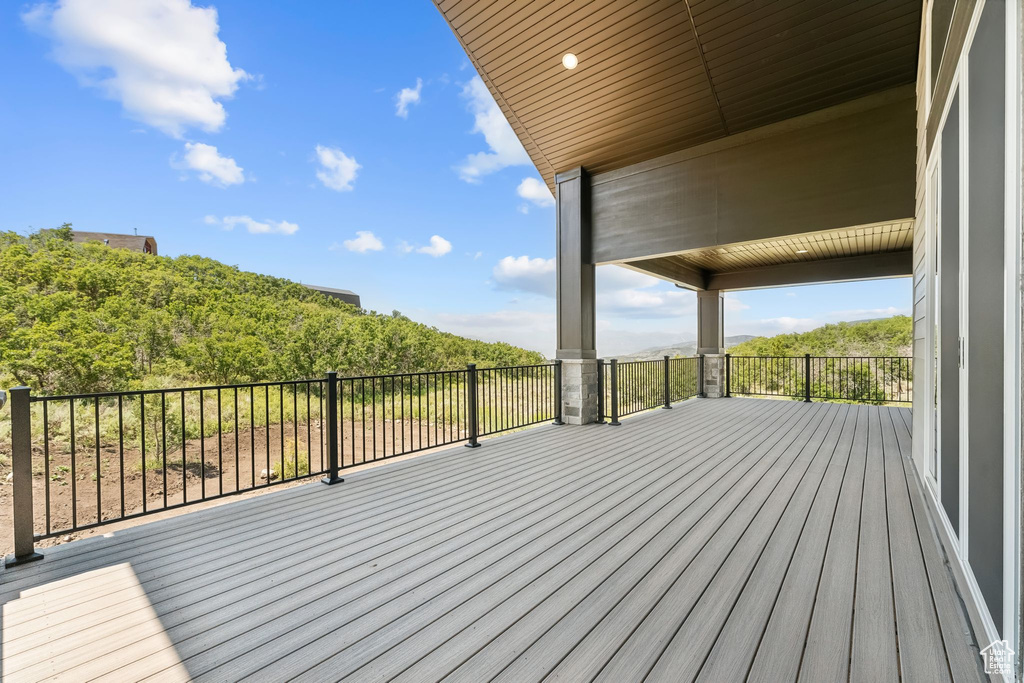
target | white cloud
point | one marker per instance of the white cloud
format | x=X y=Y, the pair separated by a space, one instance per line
x=527 y=329
x=211 y=167
x=535 y=191
x=504 y=147
x=364 y=241
x=407 y=96
x=161 y=59
x=405 y=247
x=253 y=226
x=337 y=170
x=438 y=246
x=525 y=274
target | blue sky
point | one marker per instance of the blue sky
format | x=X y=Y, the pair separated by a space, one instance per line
x=329 y=143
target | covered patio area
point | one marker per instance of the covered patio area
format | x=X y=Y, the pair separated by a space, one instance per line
x=730 y=539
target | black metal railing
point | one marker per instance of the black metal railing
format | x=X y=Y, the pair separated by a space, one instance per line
x=635 y=386
x=106 y=457
x=876 y=379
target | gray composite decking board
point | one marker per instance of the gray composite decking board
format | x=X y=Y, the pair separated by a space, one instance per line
x=826 y=655
x=407 y=493
x=599 y=621
x=873 y=656
x=787 y=629
x=772 y=533
x=315 y=596
x=298 y=637
x=921 y=650
x=957 y=635
x=221 y=522
x=442 y=612
x=195 y=593
x=642 y=649
x=577 y=603
x=736 y=645
x=642 y=579
x=735 y=525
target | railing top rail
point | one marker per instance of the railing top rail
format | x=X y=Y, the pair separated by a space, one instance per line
x=171 y=390
x=518 y=367
x=829 y=357
x=247 y=385
x=661 y=359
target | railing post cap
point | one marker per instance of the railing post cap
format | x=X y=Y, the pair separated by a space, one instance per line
x=471 y=366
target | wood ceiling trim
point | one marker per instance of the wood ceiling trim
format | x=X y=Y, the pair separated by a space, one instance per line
x=772 y=22
x=768 y=56
x=808 y=81
x=658 y=76
x=704 y=63
x=707 y=133
x=625 y=113
x=549 y=32
x=656 y=93
x=540 y=161
x=603 y=50
x=707 y=121
x=639 y=62
x=664 y=130
x=591 y=85
x=746 y=116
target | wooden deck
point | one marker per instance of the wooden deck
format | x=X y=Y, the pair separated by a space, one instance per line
x=719 y=541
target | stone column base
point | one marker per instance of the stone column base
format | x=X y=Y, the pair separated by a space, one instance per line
x=579 y=391
x=714 y=375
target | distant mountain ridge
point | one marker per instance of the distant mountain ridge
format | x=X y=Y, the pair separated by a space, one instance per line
x=683 y=348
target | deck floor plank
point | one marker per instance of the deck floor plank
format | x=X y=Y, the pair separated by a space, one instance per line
x=740 y=539
x=874 y=656
x=921 y=650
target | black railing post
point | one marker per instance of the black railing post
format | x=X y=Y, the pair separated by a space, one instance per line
x=807 y=378
x=21 y=468
x=700 y=376
x=668 y=391
x=474 y=427
x=558 y=392
x=615 y=393
x=600 y=391
x=728 y=374
x=332 y=431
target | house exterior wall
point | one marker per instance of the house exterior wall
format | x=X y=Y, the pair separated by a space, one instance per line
x=967 y=299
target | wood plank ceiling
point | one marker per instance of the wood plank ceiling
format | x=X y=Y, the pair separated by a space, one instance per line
x=656 y=76
x=878 y=238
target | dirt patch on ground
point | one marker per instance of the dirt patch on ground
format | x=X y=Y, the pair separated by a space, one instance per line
x=246 y=462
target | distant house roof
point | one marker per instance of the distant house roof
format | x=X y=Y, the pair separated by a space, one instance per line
x=144 y=244
x=345 y=295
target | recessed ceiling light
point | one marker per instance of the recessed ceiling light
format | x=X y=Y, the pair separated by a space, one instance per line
x=569 y=60
x=801 y=251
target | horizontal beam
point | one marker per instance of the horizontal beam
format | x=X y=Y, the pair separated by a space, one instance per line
x=867 y=267
x=690 y=278
x=857 y=169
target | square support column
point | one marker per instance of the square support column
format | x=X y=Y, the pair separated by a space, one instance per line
x=579 y=391
x=711 y=321
x=714 y=375
x=575 y=297
x=711 y=340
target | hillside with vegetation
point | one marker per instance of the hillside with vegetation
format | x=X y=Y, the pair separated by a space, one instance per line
x=884 y=337
x=84 y=317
